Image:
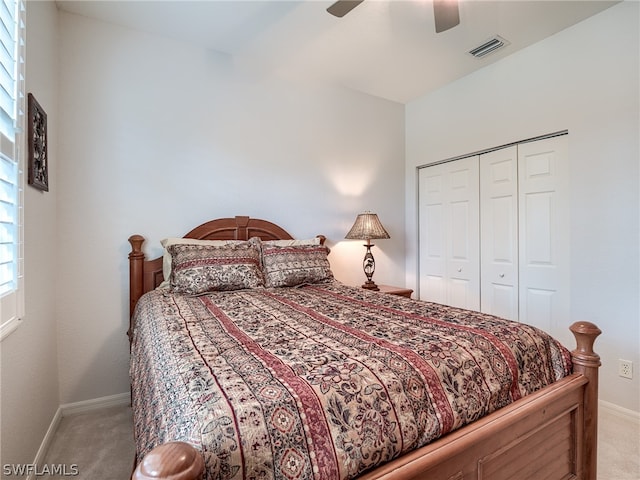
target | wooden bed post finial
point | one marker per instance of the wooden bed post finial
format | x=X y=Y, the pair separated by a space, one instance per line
x=171 y=461
x=586 y=334
x=587 y=362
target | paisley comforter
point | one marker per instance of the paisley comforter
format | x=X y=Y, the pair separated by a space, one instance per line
x=323 y=381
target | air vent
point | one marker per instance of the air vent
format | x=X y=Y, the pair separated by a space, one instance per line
x=489 y=46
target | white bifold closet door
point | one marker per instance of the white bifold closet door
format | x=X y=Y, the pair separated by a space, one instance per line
x=543 y=233
x=499 y=232
x=494 y=232
x=449 y=242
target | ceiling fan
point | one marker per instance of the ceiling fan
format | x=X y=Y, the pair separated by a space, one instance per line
x=445 y=12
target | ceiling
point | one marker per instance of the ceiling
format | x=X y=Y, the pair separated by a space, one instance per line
x=386 y=48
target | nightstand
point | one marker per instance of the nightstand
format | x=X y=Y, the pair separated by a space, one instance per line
x=401 y=292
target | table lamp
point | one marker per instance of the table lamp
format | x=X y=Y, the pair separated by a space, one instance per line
x=367 y=227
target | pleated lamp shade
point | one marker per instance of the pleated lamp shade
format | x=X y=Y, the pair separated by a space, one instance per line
x=367 y=227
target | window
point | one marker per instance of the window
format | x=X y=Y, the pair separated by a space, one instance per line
x=11 y=163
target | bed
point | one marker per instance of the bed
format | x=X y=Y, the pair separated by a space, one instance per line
x=301 y=376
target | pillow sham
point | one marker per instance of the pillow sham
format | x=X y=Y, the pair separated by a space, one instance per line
x=166 y=256
x=290 y=266
x=197 y=269
x=290 y=243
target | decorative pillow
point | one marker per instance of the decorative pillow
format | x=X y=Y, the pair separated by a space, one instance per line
x=289 y=266
x=166 y=256
x=197 y=269
x=290 y=243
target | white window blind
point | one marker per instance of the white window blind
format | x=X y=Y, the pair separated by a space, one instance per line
x=11 y=159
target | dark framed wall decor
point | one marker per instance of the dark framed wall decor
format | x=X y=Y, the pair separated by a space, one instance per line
x=38 y=167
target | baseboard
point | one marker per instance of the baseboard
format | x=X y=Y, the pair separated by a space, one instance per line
x=95 y=404
x=613 y=409
x=46 y=441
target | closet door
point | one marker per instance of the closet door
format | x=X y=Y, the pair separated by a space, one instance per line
x=543 y=172
x=449 y=233
x=432 y=232
x=499 y=232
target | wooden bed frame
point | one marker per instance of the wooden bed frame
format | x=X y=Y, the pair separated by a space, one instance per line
x=549 y=434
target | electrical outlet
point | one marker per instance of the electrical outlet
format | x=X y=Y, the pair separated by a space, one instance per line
x=625 y=368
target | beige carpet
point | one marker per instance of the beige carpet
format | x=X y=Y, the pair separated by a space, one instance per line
x=618 y=447
x=100 y=443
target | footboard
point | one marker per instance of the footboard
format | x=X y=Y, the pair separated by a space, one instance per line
x=549 y=434
x=533 y=439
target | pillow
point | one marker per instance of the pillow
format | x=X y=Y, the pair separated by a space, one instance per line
x=197 y=269
x=289 y=266
x=166 y=256
x=290 y=243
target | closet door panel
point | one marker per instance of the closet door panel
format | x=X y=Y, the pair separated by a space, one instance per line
x=449 y=225
x=503 y=301
x=460 y=268
x=463 y=246
x=432 y=234
x=544 y=241
x=499 y=232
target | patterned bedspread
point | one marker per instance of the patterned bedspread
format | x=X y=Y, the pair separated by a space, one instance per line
x=323 y=381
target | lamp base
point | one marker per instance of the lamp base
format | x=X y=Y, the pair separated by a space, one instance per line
x=370 y=285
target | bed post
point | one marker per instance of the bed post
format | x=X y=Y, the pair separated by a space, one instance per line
x=136 y=279
x=587 y=362
x=173 y=460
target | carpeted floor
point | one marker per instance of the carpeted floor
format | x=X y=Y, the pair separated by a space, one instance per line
x=100 y=443
x=618 y=447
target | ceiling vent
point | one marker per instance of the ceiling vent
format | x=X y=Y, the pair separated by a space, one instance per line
x=489 y=46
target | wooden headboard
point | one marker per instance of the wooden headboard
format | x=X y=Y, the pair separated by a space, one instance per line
x=145 y=275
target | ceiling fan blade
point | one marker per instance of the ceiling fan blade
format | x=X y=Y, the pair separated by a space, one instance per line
x=342 y=7
x=446 y=14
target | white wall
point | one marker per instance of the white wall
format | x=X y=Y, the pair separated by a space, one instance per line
x=159 y=136
x=584 y=79
x=29 y=365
